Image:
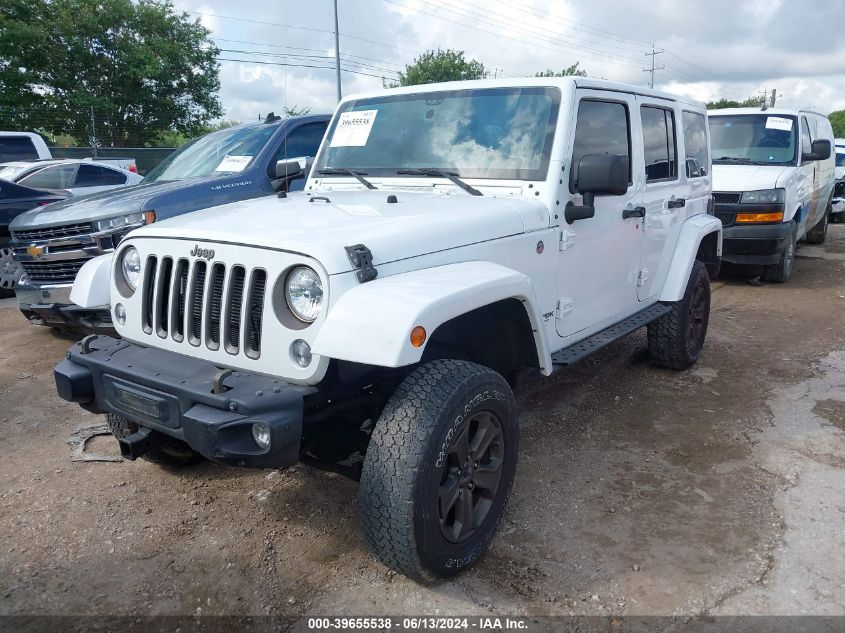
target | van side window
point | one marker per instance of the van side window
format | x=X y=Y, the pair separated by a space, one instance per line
x=695 y=143
x=602 y=127
x=659 y=143
x=806 y=140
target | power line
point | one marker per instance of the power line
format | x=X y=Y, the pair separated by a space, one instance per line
x=347 y=56
x=258 y=61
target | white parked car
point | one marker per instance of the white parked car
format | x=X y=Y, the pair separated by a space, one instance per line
x=451 y=238
x=773 y=176
x=77 y=176
x=22 y=146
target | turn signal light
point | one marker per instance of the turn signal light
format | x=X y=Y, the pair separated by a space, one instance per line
x=759 y=217
x=418 y=336
x=149 y=217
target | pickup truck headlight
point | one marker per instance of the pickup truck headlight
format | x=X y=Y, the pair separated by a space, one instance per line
x=763 y=196
x=304 y=293
x=130 y=266
x=121 y=221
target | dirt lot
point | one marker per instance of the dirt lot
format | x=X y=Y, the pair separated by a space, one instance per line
x=639 y=491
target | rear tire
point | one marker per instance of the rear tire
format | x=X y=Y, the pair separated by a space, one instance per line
x=782 y=271
x=675 y=340
x=172 y=453
x=439 y=469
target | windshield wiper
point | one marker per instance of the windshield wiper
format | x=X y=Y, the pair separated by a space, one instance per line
x=342 y=171
x=449 y=175
x=734 y=161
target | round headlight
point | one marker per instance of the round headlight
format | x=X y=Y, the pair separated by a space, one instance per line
x=304 y=293
x=130 y=264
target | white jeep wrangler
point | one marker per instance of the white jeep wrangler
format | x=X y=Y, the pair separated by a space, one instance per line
x=451 y=238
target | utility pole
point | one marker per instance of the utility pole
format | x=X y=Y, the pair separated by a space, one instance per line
x=774 y=98
x=337 y=52
x=93 y=132
x=654 y=54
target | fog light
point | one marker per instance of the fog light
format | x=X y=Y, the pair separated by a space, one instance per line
x=261 y=435
x=120 y=313
x=300 y=351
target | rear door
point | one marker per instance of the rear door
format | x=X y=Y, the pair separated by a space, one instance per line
x=665 y=193
x=600 y=255
x=94 y=178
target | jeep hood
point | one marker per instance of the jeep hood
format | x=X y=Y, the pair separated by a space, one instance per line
x=417 y=224
x=101 y=205
x=747 y=177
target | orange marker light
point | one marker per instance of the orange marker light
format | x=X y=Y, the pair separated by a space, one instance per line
x=149 y=217
x=759 y=217
x=418 y=336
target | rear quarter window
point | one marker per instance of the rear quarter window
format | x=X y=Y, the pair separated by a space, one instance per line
x=695 y=144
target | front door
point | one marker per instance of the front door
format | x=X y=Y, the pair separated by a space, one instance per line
x=665 y=194
x=599 y=256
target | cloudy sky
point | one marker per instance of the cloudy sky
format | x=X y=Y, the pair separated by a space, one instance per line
x=716 y=48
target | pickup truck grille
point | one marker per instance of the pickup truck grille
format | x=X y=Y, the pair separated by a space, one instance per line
x=726 y=197
x=62 y=271
x=204 y=304
x=53 y=232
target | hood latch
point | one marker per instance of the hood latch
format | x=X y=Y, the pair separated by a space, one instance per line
x=362 y=259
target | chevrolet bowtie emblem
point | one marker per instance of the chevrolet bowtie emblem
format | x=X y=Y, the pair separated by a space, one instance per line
x=34 y=251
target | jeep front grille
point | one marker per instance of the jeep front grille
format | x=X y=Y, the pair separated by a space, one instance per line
x=205 y=304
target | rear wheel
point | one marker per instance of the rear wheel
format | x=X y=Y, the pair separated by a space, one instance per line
x=439 y=469
x=782 y=271
x=675 y=340
x=171 y=453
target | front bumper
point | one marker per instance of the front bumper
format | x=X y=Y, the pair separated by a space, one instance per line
x=752 y=244
x=173 y=395
x=50 y=305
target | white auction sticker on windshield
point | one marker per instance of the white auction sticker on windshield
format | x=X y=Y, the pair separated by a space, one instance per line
x=233 y=163
x=778 y=123
x=353 y=128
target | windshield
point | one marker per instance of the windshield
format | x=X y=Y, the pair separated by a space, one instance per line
x=217 y=154
x=503 y=133
x=757 y=139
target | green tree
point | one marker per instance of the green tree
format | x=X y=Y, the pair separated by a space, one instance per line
x=569 y=71
x=837 y=120
x=435 y=66
x=751 y=102
x=140 y=68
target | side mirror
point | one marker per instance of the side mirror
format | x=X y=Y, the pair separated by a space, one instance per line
x=820 y=150
x=290 y=170
x=597 y=174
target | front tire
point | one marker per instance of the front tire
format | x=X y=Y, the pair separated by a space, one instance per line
x=171 y=453
x=439 y=469
x=818 y=234
x=676 y=339
x=781 y=272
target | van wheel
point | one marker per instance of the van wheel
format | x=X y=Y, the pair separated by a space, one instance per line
x=675 y=340
x=439 y=469
x=782 y=271
x=818 y=233
x=173 y=453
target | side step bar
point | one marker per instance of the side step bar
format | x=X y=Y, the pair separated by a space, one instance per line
x=585 y=347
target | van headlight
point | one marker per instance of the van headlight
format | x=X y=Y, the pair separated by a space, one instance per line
x=763 y=196
x=130 y=266
x=304 y=293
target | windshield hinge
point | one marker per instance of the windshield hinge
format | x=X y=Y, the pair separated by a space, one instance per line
x=362 y=259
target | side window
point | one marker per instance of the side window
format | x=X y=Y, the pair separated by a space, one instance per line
x=55 y=177
x=112 y=177
x=659 y=143
x=90 y=176
x=303 y=141
x=17 y=148
x=602 y=127
x=695 y=143
x=806 y=140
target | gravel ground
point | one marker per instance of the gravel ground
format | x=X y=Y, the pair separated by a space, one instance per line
x=640 y=491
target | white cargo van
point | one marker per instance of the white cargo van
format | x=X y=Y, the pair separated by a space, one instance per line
x=773 y=176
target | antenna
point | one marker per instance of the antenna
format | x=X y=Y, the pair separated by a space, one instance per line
x=651 y=70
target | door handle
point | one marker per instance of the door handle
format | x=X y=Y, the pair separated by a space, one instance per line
x=636 y=212
x=676 y=204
